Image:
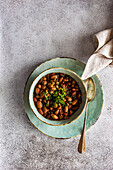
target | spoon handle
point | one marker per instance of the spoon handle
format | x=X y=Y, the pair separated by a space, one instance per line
x=82 y=142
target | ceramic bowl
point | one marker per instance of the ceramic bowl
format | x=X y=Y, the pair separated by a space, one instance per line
x=76 y=114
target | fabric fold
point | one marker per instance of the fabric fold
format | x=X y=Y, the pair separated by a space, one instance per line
x=103 y=55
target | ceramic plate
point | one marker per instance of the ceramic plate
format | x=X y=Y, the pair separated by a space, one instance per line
x=74 y=128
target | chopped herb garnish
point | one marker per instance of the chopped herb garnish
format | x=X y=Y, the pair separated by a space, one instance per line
x=47 y=104
x=58 y=96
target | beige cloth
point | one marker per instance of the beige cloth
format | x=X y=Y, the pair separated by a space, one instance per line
x=103 y=55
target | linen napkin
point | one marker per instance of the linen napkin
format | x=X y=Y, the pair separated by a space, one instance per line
x=103 y=55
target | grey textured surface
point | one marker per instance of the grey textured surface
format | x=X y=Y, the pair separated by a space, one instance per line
x=32 y=31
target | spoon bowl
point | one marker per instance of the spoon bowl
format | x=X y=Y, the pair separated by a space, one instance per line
x=90 y=87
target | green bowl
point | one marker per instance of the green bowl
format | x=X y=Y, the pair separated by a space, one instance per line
x=76 y=114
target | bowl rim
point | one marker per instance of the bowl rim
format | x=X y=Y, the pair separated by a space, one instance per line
x=59 y=120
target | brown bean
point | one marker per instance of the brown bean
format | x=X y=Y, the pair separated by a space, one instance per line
x=69 y=83
x=61 y=112
x=39 y=104
x=54 y=116
x=73 y=89
x=63 y=86
x=40 y=99
x=51 y=108
x=57 y=112
x=41 y=91
x=45 y=82
x=70 y=106
x=70 y=112
x=47 y=95
x=57 y=83
x=73 y=82
x=42 y=95
x=37 y=90
x=75 y=102
x=52 y=74
x=79 y=95
x=44 y=78
x=53 y=88
x=72 y=85
x=61 y=74
x=40 y=111
x=39 y=86
x=60 y=107
x=61 y=79
x=52 y=80
x=76 y=87
x=43 y=87
x=37 y=96
x=54 y=77
x=66 y=117
x=45 y=110
x=50 y=85
x=44 y=101
x=66 y=109
x=65 y=114
x=74 y=93
x=65 y=80
x=74 y=108
x=69 y=99
x=67 y=103
x=34 y=98
x=60 y=117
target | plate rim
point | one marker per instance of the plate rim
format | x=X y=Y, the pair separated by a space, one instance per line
x=56 y=126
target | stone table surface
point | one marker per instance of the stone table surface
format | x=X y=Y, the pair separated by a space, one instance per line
x=32 y=31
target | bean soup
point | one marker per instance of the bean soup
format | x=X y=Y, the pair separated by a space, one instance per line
x=57 y=96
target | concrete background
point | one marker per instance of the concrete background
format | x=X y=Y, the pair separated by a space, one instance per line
x=32 y=31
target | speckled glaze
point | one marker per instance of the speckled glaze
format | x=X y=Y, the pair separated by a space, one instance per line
x=79 y=82
x=74 y=128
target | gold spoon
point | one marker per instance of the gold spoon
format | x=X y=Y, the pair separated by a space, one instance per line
x=90 y=87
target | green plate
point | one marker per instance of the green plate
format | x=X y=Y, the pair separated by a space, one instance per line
x=75 y=128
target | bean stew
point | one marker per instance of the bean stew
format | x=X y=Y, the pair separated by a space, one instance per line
x=57 y=96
